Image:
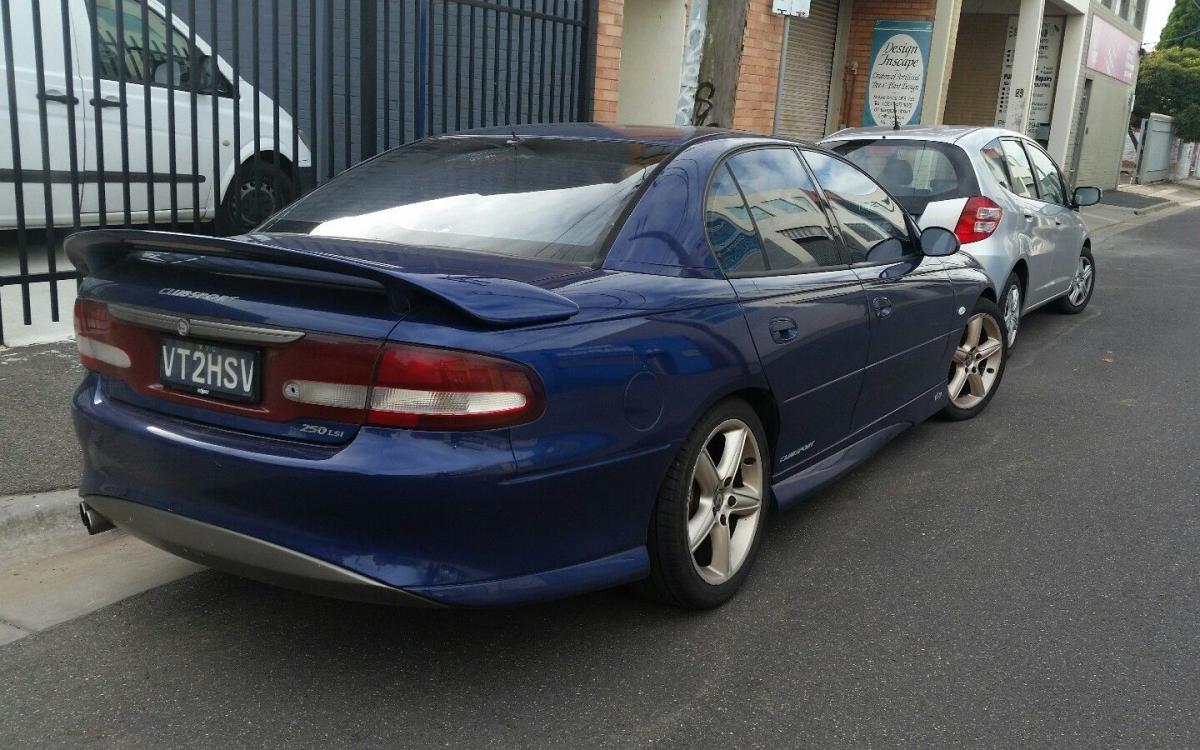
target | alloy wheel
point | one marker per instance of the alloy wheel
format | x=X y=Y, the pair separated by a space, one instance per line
x=976 y=363
x=1081 y=282
x=1012 y=312
x=725 y=503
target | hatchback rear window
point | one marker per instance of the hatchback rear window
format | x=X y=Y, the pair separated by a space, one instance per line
x=540 y=198
x=916 y=172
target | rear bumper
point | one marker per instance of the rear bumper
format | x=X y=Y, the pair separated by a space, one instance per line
x=393 y=515
x=244 y=555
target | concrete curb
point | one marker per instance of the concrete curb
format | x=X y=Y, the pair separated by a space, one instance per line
x=1154 y=209
x=40 y=525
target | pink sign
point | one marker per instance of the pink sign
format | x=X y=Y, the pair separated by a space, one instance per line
x=1112 y=52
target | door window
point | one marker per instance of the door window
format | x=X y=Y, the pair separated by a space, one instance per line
x=143 y=57
x=730 y=229
x=793 y=229
x=993 y=157
x=1049 y=181
x=874 y=226
x=1019 y=170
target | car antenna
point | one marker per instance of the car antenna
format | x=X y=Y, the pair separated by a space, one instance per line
x=895 y=116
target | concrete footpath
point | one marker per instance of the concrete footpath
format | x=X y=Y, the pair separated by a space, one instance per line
x=51 y=571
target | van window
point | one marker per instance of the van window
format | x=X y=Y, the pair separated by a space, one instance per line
x=144 y=58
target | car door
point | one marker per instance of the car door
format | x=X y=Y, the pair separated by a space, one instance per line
x=48 y=114
x=805 y=308
x=1064 y=229
x=910 y=297
x=144 y=115
x=1038 y=222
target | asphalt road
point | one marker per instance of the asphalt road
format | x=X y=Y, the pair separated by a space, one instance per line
x=1028 y=579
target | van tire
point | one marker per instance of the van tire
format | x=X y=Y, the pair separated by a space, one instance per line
x=257 y=192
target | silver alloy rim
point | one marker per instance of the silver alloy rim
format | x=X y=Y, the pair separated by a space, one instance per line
x=976 y=363
x=725 y=501
x=1081 y=283
x=1012 y=313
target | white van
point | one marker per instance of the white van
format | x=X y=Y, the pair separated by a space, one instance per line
x=236 y=189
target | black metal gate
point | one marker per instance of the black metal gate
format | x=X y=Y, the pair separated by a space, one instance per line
x=206 y=115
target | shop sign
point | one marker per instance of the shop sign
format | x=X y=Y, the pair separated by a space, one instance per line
x=1045 y=77
x=1112 y=53
x=900 y=63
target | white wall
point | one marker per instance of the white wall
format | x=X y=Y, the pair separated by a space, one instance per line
x=651 y=61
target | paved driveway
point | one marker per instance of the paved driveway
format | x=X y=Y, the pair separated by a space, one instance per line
x=1029 y=579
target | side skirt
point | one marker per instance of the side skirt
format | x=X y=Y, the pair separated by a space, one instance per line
x=795 y=488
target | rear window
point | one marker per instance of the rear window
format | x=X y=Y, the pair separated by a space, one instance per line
x=551 y=199
x=917 y=173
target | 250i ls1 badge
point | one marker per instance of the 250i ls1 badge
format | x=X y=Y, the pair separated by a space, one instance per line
x=506 y=366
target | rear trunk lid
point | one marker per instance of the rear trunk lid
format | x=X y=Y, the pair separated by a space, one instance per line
x=248 y=333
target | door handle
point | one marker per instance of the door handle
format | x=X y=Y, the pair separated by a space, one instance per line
x=783 y=330
x=1028 y=217
x=882 y=307
x=107 y=101
x=57 y=96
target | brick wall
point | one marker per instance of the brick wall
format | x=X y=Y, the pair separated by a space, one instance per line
x=609 y=31
x=977 y=73
x=762 y=45
x=862 y=30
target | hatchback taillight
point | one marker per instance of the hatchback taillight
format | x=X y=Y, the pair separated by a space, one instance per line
x=979 y=220
x=438 y=389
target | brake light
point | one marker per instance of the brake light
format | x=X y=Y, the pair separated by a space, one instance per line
x=437 y=389
x=93 y=326
x=979 y=220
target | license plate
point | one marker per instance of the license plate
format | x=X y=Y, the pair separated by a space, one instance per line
x=209 y=370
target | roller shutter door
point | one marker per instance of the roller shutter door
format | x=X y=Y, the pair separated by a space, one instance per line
x=808 y=72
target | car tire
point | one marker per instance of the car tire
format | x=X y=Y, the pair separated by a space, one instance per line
x=695 y=575
x=258 y=190
x=1083 y=285
x=977 y=364
x=1012 y=301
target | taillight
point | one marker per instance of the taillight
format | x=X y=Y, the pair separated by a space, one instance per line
x=979 y=220
x=438 y=389
x=93 y=326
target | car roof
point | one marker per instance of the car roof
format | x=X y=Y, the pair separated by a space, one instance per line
x=658 y=135
x=941 y=133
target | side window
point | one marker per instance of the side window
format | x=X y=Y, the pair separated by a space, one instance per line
x=1023 y=183
x=993 y=157
x=1048 y=179
x=730 y=230
x=868 y=216
x=141 y=63
x=795 y=232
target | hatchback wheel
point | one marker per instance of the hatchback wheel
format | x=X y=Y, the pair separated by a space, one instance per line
x=977 y=365
x=711 y=511
x=1012 y=300
x=1083 y=284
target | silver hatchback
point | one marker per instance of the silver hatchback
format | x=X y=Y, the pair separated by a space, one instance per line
x=1004 y=197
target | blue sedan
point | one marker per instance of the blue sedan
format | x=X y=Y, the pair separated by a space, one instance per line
x=517 y=364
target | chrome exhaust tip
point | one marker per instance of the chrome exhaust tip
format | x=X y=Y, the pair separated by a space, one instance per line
x=93 y=521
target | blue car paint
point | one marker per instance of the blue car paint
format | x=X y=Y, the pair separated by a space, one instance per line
x=561 y=505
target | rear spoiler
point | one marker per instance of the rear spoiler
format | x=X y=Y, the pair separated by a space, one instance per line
x=491 y=300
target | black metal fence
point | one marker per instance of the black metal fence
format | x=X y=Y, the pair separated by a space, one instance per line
x=208 y=115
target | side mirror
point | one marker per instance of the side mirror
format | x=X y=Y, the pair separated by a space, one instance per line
x=1087 y=196
x=938 y=242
